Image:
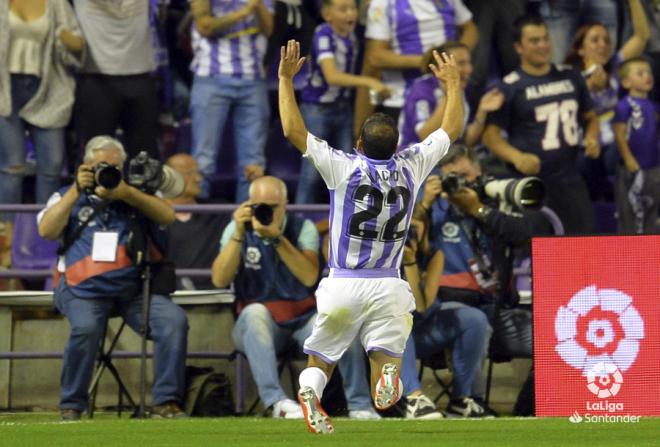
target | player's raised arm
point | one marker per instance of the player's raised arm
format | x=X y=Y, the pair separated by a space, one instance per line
x=446 y=71
x=292 y=121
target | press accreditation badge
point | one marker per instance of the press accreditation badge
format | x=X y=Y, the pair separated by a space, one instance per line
x=104 y=247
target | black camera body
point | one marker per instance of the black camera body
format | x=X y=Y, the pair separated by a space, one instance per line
x=145 y=173
x=263 y=213
x=105 y=175
x=452 y=182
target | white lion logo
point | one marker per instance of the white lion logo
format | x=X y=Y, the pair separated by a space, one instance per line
x=598 y=326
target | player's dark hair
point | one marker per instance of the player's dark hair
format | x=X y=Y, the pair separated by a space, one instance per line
x=456 y=152
x=379 y=136
x=523 y=21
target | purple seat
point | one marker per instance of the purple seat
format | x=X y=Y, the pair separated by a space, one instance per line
x=29 y=250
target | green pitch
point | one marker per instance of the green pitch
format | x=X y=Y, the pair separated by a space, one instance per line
x=46 y=430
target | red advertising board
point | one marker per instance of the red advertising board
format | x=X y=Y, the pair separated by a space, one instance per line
x=597 y=325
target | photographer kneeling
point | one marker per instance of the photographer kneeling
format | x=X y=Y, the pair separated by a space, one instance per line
x=473 y=242
x=101 y=274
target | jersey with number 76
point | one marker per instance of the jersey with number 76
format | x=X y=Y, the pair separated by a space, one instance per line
x=541 y=115
x=371 y=201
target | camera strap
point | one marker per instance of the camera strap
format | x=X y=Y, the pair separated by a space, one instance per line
x=68 y=241
x=481 y=267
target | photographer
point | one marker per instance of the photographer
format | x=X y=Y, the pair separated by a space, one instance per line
x=100 y=275
x=272 y=257
x=472 y=245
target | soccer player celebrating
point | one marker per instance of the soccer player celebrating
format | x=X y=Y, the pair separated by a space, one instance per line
x=544 y=109
x=372 y=194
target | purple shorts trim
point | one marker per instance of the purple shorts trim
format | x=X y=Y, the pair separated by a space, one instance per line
x=390 y=353
x=364 y=273
x=321 y=356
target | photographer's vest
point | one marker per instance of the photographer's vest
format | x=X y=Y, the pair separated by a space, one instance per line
x=263 y=277
x=451 y=233
x=87 y=278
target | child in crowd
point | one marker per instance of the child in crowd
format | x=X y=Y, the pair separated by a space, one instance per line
x=326 y=99
x=636 y=132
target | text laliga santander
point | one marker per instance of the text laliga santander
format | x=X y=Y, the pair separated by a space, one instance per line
x=605 y=405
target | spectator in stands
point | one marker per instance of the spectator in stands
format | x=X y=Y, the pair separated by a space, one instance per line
x=272 y=257
x=117 y=88
x=293 y=19
x=636 y=130
x=471 y=265
x=229 y=41
x=423 y=106
x=494 y=20
x=39 y=42
x=398 y=33
x=441 y=324
x=563 y=18
x=326 y=100
x=189 y=235
x=592 y=53
x=99 y=277
x=544 y=108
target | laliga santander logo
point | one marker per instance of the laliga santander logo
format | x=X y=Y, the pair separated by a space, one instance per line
x=604 y=380
x=598 y=332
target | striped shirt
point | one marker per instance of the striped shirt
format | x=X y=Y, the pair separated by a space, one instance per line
x=236 y=51
x=328 y=44
x=371 y=201
x=413 y=27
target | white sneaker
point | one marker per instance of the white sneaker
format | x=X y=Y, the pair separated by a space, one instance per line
x=364 y=414
x=388 y=387
x=287 y=409
x=421 y=407
x=315 y=416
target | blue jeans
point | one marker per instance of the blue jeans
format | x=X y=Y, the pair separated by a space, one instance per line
x=48 y=144
x=259 y=337
x=333 y=123
x=563 y=18
x=168 y=327
x=213 y=101
x=463 y=329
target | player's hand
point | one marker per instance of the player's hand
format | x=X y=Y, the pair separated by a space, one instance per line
x=445 y=69
x=242 y=215
x=528 y=164
x=432 y=190
x=491 y=101
x=290 y=60
x=591 y=147
x=84 y=177
x=631 y=164
x=253 y=172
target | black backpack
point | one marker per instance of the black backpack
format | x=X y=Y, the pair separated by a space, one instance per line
x=208 y=393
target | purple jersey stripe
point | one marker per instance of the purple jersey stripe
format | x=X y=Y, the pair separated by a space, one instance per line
x=409 y=42
x=344 y=238
x=215 y=66
x=448 y=14
x=411 y=206
x=331 y=258
x=256 y=62
x=235 y=45
x=395 y=208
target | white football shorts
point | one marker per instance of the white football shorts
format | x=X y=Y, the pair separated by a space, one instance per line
x=376 y=309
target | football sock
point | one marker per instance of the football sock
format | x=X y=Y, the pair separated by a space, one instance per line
x=315 y=378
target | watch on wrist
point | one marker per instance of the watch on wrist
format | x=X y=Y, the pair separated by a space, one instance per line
x=276 y=241
x=483 y=212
